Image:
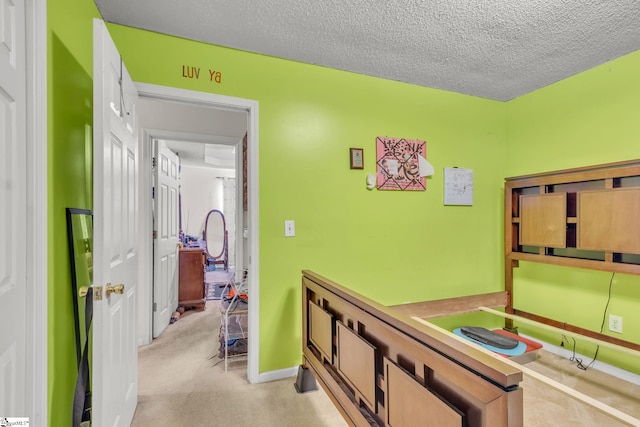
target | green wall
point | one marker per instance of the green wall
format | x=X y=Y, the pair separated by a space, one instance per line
x=70 y=116
x=392 y=246
x=588 y=119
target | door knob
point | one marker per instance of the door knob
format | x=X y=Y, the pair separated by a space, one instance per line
x=114 y=289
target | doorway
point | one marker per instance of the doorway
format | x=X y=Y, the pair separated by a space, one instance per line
x=168 y=124
x=205 y=181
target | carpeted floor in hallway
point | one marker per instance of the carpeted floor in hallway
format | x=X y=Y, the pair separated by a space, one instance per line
x=182 y=383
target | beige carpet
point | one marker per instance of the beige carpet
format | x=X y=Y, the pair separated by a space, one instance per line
x=545 y=406
x=182 y=383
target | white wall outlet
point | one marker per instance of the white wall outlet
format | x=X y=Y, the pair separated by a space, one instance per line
x=615 y=323
x=289 y=228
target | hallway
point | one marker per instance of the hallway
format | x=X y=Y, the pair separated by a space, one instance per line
x=181 y=382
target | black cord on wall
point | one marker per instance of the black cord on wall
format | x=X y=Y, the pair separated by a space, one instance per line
x=578 y=361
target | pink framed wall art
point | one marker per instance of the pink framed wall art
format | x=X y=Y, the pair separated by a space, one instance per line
x=398 y=164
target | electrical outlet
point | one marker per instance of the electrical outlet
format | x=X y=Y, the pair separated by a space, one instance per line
x=615 y=323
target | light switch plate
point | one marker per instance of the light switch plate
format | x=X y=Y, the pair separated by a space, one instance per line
x=289 y=228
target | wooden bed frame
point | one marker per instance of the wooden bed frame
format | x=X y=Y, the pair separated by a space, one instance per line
x=383 y=368
x=387 y=366
x=431 y=309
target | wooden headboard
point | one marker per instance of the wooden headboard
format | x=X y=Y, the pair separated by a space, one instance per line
x=586 y=217
x=380 y=367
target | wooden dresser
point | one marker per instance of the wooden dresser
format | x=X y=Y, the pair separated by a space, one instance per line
x=191 y=288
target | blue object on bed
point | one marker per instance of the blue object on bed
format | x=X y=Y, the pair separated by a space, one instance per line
x=516 y=351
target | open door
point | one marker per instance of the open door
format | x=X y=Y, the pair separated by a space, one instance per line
x=165 y=243
x=114 y=350
x=16 y=362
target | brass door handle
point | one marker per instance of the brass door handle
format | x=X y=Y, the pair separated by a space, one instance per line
x=82 y=292
x=114 y=289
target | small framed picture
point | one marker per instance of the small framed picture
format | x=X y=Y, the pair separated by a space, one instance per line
x=356 y=158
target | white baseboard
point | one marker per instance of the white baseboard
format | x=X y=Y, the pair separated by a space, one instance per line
x=278 y=375
x=600 y=366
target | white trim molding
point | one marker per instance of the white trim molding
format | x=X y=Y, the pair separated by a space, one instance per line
x=278 y=374
x=151 y=92
x=37 y=211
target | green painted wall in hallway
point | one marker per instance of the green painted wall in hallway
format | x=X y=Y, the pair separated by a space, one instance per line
x=391 y=246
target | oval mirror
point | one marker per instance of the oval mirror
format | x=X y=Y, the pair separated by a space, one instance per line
x=215 y=234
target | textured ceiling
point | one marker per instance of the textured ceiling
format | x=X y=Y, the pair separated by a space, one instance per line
x=496 y=49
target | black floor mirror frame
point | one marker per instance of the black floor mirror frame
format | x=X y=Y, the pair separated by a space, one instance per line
x=80 y=238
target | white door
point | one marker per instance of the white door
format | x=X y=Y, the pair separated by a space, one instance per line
x=165 y=244
x=115 y=166
x=13 y=208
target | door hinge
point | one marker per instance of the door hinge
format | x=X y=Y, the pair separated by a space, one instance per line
x=153 y=192
x=153 y=163
x=154 y=235
x=155 y=306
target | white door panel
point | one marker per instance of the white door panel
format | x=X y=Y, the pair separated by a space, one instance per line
x=165 y=283
x=13 y=205
x=115 y=246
